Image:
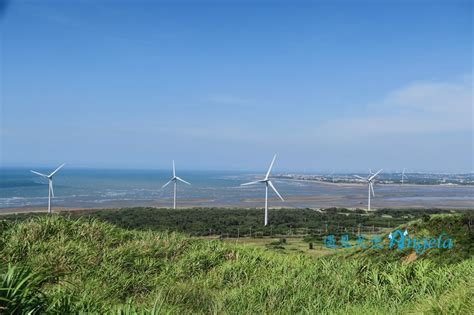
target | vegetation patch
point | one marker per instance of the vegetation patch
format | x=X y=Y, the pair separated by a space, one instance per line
x=63 y=265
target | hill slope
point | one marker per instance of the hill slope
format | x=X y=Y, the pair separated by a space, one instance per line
x=454 y=227
x=88 y=265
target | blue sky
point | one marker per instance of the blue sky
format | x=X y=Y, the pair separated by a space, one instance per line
x=328 y=85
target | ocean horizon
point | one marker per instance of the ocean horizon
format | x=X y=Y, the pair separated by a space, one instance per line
x=110 y=188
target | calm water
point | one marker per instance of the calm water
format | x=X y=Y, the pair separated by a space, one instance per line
x=111 y=188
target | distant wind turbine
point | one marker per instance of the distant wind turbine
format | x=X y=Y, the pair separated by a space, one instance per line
x=370 y=181
x=267 y=183
x=404 y=176
x=50 y=184
x=174 y=179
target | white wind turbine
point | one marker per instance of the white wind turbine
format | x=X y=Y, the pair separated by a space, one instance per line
x=404 y=176
x=174 y=179
x=370 y=181
x=267 y=183
x=50 y=184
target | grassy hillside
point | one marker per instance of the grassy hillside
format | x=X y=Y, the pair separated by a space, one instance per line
x=456 y=227
x=88 y=265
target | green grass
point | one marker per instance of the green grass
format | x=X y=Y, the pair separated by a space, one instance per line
x=455 y=227
x=86 y=265
x=20 y=291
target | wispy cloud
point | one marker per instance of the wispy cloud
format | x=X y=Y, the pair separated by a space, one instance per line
x=222 y=99
x=420 y=107
x=433 y=97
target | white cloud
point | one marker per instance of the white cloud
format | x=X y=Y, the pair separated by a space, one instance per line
x=433 y=97
x=422 y=107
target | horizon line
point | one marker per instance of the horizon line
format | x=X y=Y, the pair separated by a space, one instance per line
x=300 y=172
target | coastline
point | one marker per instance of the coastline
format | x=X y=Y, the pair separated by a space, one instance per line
x=363 y=184
x=21 y=210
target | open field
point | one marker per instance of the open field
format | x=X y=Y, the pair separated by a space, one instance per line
x=287 y=245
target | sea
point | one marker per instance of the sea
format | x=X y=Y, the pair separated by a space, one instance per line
x=108 y=188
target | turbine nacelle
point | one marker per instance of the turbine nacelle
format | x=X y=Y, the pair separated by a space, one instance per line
x=174 y=180
x=404 y=176
x=50 y=183
x=370 y=182
x=267 y=183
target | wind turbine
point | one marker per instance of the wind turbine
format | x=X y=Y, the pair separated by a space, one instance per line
x=370 y=181
x=174 y=179
x=267 y=183
x=404 y=176
x=50 y=184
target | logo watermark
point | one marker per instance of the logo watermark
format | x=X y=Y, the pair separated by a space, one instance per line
x=397 y=240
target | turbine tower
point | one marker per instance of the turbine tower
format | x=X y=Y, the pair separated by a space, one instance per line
x=50 y=184
x=370 y=182
x=267 y=183
x=174 y=179
x=404 y=176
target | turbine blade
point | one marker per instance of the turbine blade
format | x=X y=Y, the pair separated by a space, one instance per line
x=182 y=180
x=270 y=168
x=373 y=176
x=56 y=170
x=274 y=189
x=38 y=173
x=372 y=189
x=360 y=177
x=174 y=170
x=250 y=183
x=162 y=187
